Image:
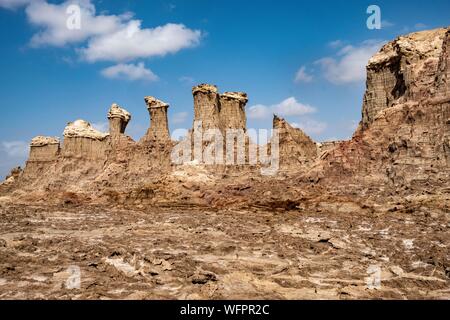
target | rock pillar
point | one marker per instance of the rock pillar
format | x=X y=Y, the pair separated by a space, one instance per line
x=159 y=128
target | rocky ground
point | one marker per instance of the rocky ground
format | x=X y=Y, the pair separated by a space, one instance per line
x=331 y=251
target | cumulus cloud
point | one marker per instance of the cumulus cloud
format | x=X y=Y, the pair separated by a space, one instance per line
x=258 y=112
x=302 y=75
x=100 y=37
x=13 y=4
x=15 y=149
x=287 y=107
x=349 y=65
x=133 y=42
x=179 y=117
x=52 y=20
x=130 y=72
x=291 y=107
x=311 y=127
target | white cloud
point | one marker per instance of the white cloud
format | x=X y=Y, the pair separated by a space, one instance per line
x=302 y=75
x=258 y=112
x=350 y=64
x=133 y=42
x=129 y=72
x=287 y=107
x=179 y=117
x=101 y=126
x=16 y=149
x=311 y=127
x=101 y=37
x=52 y=19
x=13 y=4
x=291 y=107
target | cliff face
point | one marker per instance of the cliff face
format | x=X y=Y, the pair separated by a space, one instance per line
x=405 y=70
x=402 y=141
x=404 y=133
x=296 y=148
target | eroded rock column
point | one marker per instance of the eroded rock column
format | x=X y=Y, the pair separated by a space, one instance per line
x=44 y=148
x=81 y=140
x=206 y=106
x=118 y=119
x=159 y=127
x=232 y=110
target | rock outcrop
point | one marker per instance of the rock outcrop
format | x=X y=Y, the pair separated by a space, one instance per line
x=159 y=126
x=206 y=106
x=296 y=148
x=232 y=110
x=404 y=134
x=81 y=140
x=118 y=120
x=402 y=143
x=44 y=149
x=405 y=70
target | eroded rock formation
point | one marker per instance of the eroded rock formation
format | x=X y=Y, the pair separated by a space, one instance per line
x=206 y=106
x=296 y=148
x=44 y=148
x=83 y=141
x=405 y=70
x=118 y=120
x=402 y=143
x=232 y=110
x=159 y=126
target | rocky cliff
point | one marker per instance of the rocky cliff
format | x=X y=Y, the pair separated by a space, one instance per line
x=401 y=145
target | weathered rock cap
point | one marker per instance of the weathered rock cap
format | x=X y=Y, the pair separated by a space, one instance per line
x=41 y=141
x=426 y=44
x=117 y=111
x=152 y=102
x=241 y=96
x=205 y=88
x=83 y=129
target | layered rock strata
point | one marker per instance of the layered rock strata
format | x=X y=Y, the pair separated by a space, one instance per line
x=402 y=143
x=159 y=126
x=118 y=120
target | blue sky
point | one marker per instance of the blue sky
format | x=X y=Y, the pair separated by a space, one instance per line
x=302 y=59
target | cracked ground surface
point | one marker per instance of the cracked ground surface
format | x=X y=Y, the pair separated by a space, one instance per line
x=191 y=253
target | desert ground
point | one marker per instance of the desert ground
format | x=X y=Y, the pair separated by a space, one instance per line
x=327 y=252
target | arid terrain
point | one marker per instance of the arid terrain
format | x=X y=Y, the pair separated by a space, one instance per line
x=358 y=219
x=196 y=253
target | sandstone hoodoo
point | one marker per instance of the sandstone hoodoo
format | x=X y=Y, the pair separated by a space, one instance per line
x=206 y=106
x=402 y=141
x=159 y=127
x=329 y=220
x=296 y=148
x=82 y=140
x=44 y=148
x=118 y=120
x=232 y=110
